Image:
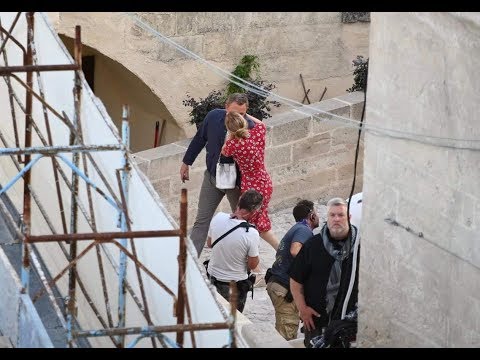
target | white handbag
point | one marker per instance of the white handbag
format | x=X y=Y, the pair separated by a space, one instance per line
x=226 y=177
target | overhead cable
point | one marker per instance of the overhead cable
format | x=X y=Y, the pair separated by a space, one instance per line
x=456 y=143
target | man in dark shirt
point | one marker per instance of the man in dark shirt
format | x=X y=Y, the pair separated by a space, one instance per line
x=324 y=274
x=211 y=135
x=286 y=313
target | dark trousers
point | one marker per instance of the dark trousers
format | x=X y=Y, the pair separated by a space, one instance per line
x=208 y=201
x=223 y=289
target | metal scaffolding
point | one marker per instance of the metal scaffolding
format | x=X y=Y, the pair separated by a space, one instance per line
x=24 y=159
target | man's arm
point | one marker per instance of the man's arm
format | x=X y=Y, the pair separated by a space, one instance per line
x=184 y=172
x=299 y=272
x=295 y=248
x=252 y=262
x=300 y=236
x=210 y=231
x=306 y=312
x=196 y=145
x=253 y=253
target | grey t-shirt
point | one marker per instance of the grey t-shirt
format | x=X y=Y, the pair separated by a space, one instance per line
x=297 y=233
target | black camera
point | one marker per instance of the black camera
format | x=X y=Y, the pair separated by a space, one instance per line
x=251 y=279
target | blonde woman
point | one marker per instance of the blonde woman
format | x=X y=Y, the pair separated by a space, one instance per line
x=248 y=150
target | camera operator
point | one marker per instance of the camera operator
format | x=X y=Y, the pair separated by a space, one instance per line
x=235 y=247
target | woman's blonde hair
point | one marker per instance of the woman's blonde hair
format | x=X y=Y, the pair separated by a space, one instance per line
x=236 y=124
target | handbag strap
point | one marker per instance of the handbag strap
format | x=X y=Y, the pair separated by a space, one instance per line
x=243 y=224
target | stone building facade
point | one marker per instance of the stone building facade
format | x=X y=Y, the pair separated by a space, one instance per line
x=133 y=66
x=420 y=261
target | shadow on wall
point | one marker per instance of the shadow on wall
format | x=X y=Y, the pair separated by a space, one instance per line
x=115 y=85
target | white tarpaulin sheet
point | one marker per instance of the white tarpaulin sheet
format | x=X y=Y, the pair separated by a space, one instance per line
x=145 y=208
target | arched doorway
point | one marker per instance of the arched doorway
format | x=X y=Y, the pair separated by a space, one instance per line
x=115 y=85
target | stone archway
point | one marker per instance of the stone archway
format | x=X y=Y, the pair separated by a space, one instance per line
x=115 y=85
x=317 y=45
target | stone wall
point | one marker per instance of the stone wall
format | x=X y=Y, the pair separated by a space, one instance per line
x=306 y=157
x=420 y=261
x=315 y=44
x=351 y=17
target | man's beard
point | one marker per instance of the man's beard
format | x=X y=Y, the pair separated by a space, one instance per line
x=338 y=232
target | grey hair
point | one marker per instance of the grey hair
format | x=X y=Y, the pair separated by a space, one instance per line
x=336 y=202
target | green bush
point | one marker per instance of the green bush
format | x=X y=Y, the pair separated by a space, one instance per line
x=201 y=107
x=360 y=74
x=258 y=105
x=244 y=70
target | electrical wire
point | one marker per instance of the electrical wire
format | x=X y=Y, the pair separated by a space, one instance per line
x=455 y=143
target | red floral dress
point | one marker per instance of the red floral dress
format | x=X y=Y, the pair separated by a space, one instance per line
x=249 y=154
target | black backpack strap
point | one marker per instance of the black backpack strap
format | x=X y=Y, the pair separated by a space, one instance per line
x=243 y=224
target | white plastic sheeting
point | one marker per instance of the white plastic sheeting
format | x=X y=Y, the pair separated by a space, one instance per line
x=145 y=208
x=356 y=210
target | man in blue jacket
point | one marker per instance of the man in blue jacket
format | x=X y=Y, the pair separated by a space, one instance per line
x=211 y=135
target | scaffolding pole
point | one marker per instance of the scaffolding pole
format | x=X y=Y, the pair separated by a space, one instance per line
x=28 y=61
x=32 y=154
x=122 y=291
x=74 y=140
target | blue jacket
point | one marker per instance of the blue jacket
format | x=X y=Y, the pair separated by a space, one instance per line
x=211 y=135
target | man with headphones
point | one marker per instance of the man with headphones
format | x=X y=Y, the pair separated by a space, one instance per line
x=286 y=313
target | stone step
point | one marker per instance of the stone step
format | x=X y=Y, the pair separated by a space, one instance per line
x=297 y=343
x=5 y=342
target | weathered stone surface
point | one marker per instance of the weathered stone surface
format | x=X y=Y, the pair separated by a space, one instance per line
x=278 y=155
x=164 y=23
x=312 y=147
x=142 y=164
x=351 y=17
x=162 y=187
x=253 y=336
x=324 y=118
x=165 y=152
x=287 y=43
x=429 y=188
x=286 y=131
x=355 y=100
x=317 y=180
